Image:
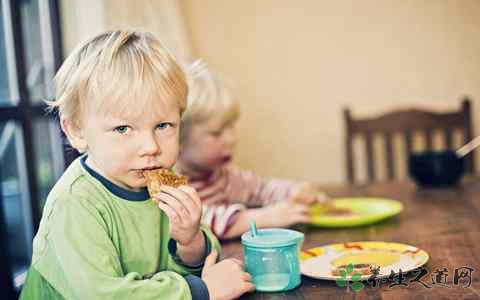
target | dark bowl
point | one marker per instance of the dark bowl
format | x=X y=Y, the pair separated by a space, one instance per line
x=436 y=168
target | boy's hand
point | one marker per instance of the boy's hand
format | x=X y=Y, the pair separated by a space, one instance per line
x=225 y=279
x=184 y=209
x=309 y=193
x=283 y=214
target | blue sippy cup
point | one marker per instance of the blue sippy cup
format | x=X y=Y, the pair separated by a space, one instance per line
x=271 y=258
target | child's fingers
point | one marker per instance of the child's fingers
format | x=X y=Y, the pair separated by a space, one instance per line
x=301 y=208
x=322 y=197
x=299 y=219
x=243 y=287
x=171 y=214
x=248 y=286
x=174 y=204
x=301 y=214
x=303 y=219
x=182 y=197
x=192 y=194
x=306 y=198
x=211 y=259
x=246 y=276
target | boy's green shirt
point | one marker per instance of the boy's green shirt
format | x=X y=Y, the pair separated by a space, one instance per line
x=92 y=244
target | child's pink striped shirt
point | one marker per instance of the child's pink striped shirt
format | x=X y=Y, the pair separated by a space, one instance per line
x=233 y=190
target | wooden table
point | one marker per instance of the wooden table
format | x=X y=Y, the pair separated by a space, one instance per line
x=445 y=223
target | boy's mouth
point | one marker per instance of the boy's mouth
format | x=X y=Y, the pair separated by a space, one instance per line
x=150 y=168
x=140 y=171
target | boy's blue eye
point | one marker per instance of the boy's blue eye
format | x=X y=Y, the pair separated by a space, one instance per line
x=164 y=125
x=121 y=129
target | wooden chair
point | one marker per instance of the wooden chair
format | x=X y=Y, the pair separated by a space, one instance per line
x=405 y=122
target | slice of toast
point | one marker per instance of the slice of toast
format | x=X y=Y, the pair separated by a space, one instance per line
x=364 y=269
x=158 y=177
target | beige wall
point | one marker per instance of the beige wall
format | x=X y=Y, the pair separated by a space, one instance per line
x=79 y=21
x=297 y=63
x=82 y=19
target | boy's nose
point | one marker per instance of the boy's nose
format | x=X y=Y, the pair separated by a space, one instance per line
x=149 y=145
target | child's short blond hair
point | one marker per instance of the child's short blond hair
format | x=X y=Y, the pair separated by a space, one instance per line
x=208 y=96
x=121 y=71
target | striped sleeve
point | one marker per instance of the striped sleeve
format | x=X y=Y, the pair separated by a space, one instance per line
x=252 y=190
x=220 y=217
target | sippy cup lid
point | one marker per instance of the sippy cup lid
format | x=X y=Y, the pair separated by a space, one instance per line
x=272 y=237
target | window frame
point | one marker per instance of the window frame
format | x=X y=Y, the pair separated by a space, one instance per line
x=24 y=112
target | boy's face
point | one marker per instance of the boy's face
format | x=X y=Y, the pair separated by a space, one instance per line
x=208 y=145
x=121 y=147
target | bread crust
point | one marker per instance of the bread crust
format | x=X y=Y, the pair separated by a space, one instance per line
x=158 y=177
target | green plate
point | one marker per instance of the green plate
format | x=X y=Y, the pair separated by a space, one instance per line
x=364 y=211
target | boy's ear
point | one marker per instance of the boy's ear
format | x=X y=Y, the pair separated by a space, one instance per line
x=74 y=134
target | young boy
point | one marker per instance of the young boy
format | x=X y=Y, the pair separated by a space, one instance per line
x=207 y=141
x=120 y=97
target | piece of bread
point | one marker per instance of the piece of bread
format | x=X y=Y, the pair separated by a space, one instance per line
x=364 y=269
x=158 y=177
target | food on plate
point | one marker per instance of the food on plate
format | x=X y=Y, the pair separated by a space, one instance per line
x=364 y=269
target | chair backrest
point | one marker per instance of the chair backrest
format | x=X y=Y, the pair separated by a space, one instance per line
x=405 y=122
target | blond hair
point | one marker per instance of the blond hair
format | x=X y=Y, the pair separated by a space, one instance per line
x=208 y=96
x=121 y=71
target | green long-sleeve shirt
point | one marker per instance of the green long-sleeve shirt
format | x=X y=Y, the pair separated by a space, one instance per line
x=99 y=241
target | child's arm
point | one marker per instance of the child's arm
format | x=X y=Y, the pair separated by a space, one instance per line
x=232 y=220
x=243 y=188
x=253 y=190
x=193 y=254
x=281 y=214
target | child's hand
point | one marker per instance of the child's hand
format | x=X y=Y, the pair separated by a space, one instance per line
x=225 y=279
x=184 y=209
x=284 y=214
x=212 y=193
x=309 y=193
